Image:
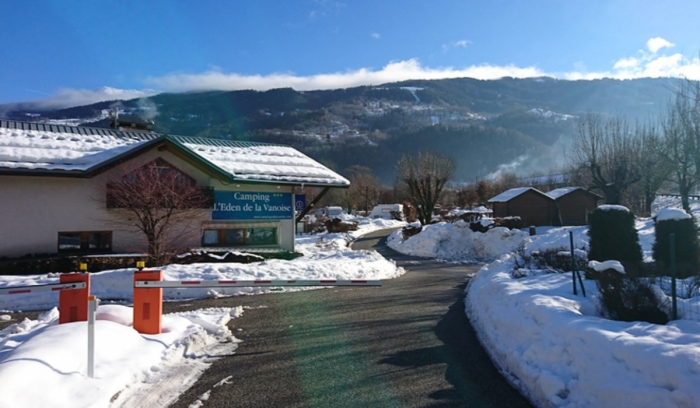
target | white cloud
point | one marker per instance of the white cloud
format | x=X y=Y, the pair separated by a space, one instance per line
x=392 y=72
x=646 y=64
x=643 y=65
x=657 y=43
x=626 y=63
x=455 y=44
x=376 y=36
x=68 y=97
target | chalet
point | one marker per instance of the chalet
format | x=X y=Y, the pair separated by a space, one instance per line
x=53 y=181
x=531 y=205
x=573 y=204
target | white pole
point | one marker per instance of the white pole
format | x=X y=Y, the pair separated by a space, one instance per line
x=92 y=309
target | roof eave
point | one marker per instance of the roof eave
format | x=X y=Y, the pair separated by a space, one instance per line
x=289 y=183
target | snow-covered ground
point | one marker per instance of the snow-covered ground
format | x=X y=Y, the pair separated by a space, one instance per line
x=44 y=364
x=553 y=345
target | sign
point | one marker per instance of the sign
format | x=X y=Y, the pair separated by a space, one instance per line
x=248 y=205
x=300 y=202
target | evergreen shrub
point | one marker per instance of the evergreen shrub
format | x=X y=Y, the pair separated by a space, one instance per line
x=628 y=299
x=613 y=236
x=687 y=246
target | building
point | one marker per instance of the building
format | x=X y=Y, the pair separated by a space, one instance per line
x=531 y=205
x=54 y=189
x=573 y=204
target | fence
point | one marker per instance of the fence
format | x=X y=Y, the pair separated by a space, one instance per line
x=73 y=288
x=148 y=293
x=684 y=293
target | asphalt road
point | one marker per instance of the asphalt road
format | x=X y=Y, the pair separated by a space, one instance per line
x=405 y=344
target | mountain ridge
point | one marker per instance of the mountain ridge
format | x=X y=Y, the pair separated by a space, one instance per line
x=520 y=125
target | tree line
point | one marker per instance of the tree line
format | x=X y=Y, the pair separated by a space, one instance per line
x=628 y=163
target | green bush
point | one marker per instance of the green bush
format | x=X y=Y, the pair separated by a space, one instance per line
x=628 y=299
x=687 y=246
x=613 y=236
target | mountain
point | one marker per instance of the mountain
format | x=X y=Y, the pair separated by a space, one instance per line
x=516 y=125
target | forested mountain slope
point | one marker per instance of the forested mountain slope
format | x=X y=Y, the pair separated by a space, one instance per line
x=521 y=125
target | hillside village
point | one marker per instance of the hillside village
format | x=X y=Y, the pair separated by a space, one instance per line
x=218 y=217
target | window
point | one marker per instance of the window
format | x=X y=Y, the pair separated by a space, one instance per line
x=162 y=171
x=240 y=237
x=85 y=241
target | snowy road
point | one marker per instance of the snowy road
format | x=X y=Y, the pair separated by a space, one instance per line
x=407 y=343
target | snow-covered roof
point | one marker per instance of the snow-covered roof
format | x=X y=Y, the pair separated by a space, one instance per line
x=31 y=147
x=58 y=147
x=556 y=193
x=560 y=192
x=510 y=194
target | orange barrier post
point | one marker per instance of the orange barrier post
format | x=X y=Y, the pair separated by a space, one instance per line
x=148 y=303
x=73 y=304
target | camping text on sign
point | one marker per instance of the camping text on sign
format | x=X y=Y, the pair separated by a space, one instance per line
x=247 y=205
x=300 y=202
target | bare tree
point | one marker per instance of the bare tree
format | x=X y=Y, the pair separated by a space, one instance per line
x=654 y=170
x=364 y=188
x=159 y=201
x=608 y=151
x=681 y=130
x=425 y=176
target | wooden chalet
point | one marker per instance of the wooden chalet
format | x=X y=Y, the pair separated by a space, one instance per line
x=531 y=205
x=573 y=205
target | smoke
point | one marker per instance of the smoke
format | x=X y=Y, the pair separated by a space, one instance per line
x=147 y=109
x=513 y=167
x=545 y=161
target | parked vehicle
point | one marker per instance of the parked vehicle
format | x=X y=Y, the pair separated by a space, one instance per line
x=387 y=211
x=330 y=212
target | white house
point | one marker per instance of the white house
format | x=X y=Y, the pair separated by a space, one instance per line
x=53 y=185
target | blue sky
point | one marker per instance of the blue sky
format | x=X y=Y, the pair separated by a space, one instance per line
x=67 y=52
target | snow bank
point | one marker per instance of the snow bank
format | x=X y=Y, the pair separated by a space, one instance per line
x=43 y=355
x=458 y=242
x=326 y=256
x=554 y=347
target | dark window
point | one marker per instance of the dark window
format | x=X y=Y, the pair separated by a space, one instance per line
x=85 y=241
x=239 y=237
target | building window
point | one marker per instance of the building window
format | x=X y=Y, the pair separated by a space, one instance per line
x=230 y=237
x=85 y=241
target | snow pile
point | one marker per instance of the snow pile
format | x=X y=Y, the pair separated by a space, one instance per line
x=613 y=207
x=554 y=347
x=326 y=256
x=456 y=242
x=668 y=214
x=604 y=266
x=129 y=369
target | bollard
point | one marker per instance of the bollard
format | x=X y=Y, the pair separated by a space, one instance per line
x=148 y=303
x=93 y=302
x=73 y=304
x=533 y=230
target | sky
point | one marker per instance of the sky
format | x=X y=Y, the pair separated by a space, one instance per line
x=69 y=52
x=578 y=358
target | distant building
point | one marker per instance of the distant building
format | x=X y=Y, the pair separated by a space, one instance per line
x=53 y=181
x=563 y=206
x=573 y=204
x=531 y=205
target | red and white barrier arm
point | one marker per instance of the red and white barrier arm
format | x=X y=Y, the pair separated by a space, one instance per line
x=16 y=290
x=252 y=283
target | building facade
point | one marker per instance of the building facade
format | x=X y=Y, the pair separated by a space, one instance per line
x=531 y=205
x=55 y=181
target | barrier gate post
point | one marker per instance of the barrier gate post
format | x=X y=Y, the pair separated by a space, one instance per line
x=73 y=304
x=148 y=303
